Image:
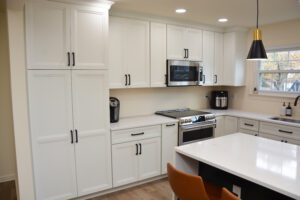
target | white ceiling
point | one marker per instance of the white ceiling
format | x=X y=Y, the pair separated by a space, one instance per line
x=239 y=12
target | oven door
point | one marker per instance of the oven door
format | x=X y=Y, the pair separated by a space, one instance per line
x=184 y=73
x=194 y=133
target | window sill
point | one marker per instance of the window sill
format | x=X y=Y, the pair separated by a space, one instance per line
x=275 y=94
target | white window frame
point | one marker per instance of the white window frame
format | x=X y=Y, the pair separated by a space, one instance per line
x=257 y=75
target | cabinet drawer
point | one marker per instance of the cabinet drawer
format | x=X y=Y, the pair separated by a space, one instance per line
x=255 y=133
x=249 y=124
x=280 y=130
x=128 y=135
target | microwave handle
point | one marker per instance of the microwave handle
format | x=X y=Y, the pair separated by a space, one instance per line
x=200 y=76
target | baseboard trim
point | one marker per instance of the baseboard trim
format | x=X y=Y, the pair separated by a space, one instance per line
x=6 y=178
x=121 y=188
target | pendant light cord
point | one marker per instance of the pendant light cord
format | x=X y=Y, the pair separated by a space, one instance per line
x=257 y=14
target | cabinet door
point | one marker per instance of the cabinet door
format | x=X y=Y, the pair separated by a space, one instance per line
x=89 y=37
x=218 y=60
x=208 y=57
x=136 y=49
x=175 y=42
x=158 y=54
x=269 y=136
x=219 y=130
x=291 y=141
x=116 y=53
x=231 y=125
x=150 y=158
x=169 y=141
x=47 y=35
x=194 y=43
x=50 y=109
x=254 y=133
x=125 y=163
x=91 y=120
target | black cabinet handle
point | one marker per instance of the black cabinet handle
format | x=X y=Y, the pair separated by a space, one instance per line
x=188 y=53
x=136 y=134
x=285 y=141
x=283 y=131
x=140 y=149
x=248 y=124
x=185 y=53
x=136 y=149
x=168 y=125
x=281 y=141
x=76 y=135
x=73 y=54
x=72 y=139
x=129 y=82
x=216 y=79
x=256 y=135
x=126 y=83
x=69 y=59
x=203 y=78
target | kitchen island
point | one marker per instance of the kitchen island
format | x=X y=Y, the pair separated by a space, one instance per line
x=262 y=168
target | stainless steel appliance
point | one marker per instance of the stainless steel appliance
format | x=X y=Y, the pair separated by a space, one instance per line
x=193 y=125
x=114 y=105
x=184 y=73
x=219 y=100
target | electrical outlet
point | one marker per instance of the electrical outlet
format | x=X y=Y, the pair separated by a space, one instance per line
x=237 y=190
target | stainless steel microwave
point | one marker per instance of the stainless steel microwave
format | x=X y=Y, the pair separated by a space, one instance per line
x=184 y=73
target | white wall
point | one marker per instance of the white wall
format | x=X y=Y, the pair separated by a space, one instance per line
x=16 y=33
x=147 y=101
x=283 y=34
x=7 y=148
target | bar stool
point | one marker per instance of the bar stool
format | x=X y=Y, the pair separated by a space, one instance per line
x=190 y=187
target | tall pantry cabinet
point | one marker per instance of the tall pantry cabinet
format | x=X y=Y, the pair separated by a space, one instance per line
x=66 y=48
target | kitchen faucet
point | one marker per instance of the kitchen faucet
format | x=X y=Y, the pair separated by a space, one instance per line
x=296 y=100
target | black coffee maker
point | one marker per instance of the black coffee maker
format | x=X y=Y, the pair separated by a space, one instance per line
x=114 y=105
x=219 y=100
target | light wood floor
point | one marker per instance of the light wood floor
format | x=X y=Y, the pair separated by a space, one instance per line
x=158 y=190
x=8 y=191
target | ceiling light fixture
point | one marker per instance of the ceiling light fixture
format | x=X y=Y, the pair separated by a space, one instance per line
x=180 y=10
x=257 y=50
x=223 y=20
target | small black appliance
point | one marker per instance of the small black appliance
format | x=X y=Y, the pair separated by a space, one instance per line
x=114 y=105
x=219 y=100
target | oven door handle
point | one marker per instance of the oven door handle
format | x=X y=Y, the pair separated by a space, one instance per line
x=197 y=127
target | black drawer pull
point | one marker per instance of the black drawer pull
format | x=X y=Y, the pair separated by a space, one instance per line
x=73 y=54
x=136 y=134
x=69 y=59
x=76 y=134
x=140 y=149
x=72 y=139
x=246 y=124
x=283 y=131
x=168 y=125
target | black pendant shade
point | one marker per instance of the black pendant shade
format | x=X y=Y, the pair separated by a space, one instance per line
x=257 y=51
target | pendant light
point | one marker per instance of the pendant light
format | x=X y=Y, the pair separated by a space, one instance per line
x=257 y=50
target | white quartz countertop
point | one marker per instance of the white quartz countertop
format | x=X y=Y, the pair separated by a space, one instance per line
x=140 y=121
x=250 y=115
x=269 y=163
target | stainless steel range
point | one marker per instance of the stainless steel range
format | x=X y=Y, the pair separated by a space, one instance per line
x=193 y=125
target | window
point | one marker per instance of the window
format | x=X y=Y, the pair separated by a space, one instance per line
x=281 y=72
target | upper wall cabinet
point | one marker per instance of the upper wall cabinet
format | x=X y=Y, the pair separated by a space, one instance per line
x=65 y=36
x=184 y=43
x=234 y=58
x=158 y=54
x=129 y=53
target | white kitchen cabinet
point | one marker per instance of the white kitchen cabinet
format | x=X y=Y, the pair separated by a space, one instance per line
x=250 y=132
x=234 y=58
x=125 y=163
x=280 y=138
x=208 y=57
x=220 y=124
x=66 y=36
x=136 y=154
x=77 y=149
x=231 y=124
x=218 y=59
x=169 y=142
x=158 y=54
x=184 y=43
x=129 y=60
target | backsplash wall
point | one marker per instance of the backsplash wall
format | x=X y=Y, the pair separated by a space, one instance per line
x=146 y=101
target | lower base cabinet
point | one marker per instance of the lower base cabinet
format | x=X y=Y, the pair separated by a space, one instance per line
x=136 y=160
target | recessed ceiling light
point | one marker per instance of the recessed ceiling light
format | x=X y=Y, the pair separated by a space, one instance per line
x=223 y=20
x=180 y=10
